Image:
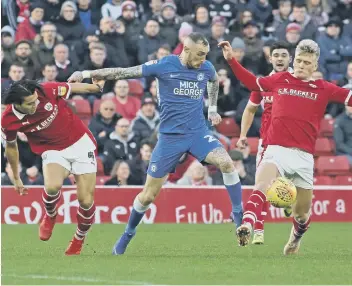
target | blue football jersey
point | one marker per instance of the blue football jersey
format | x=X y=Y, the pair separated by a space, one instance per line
x=180 y=92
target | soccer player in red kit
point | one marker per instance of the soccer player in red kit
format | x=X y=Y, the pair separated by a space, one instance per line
x=280 y=59
x=64 y=142
x=298 y=107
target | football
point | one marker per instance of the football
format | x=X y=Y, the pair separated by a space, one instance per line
x=282 y=193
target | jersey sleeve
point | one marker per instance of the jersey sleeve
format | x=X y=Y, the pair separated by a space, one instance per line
x=339 y=94
x=57 y=89
x=267 y=83
x=255 y=98
x=153 y=68
x=8 y=135
x=212 y=72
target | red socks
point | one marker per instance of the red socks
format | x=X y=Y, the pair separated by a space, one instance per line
x=50 y=202
x=85 y=219
x=254 y=207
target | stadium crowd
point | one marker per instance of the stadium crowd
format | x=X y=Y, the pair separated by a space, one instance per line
x=50 y=39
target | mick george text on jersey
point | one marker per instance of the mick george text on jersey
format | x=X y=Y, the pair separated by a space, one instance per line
x=189 y=88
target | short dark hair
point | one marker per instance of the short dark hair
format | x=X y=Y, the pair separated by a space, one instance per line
x=16 y=93
x=279 y=45
x=49 y=64
x=299 y=4
x=198 y=37
x=17 y=64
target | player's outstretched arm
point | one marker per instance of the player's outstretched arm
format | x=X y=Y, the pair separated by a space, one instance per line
x=243 y=75
x=213 y=91
x=96 y=87
x=107 y=74
x=12 y=155
x=246 y=123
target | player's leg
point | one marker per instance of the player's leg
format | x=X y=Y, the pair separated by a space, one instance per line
x=55 y=170
x=85 y=212
x=165 y=157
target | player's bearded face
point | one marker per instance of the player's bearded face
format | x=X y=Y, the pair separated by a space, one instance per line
x=29 y=104
x=280 y=59
x=304 y=65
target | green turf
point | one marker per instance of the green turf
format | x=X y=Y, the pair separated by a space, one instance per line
x=177 y=254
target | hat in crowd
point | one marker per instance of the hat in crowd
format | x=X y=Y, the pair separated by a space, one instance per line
x=219 y=19
x=35 y=5
x=238 y=43
x=169 y=3
x=269 y=43
x=128 y=5
x=69 y=4
x=22 y=42
x=334 y=21
x=236 y=155
x=250 y=23
x=147 y=100
x=185 y=30
x=7 y=30
x=293 y=27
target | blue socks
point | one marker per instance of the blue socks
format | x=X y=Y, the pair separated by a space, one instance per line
x=136 y=216
x=234 y=188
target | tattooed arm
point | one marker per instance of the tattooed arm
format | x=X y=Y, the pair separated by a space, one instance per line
x=107 y=74
x=213 y=91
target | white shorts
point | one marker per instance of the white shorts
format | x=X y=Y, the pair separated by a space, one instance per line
x=292 y=163
x=260 y=152
x=78 y=159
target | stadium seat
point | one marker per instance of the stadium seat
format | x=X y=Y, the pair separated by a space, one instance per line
x=96 y=106
x=135 y=87
x=228 y=127
x=82 y=107
x=102 y=179
x=333 y=165
x=323 y=180
x=323 y=147
x=344 y=180
x=100 y=167
x=326 y=127
x=86 y=121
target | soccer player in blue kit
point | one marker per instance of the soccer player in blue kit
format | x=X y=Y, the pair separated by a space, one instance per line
x=182 y=82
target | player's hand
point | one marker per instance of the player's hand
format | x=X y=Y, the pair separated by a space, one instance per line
x=214 y=118
x=18 y=184
x=99 y=82
x=75 y=77
x=226 y=50
x=242 y=143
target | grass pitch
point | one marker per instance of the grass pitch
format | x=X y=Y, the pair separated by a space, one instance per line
x=177 y=254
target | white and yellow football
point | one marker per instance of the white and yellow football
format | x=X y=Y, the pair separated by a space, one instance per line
x=282 y=193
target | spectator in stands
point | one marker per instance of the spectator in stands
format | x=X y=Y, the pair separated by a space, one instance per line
x=147 y=119
x=254 y=45
x=149 y=42
x=7 y=43
x=300 y=16
x=69 y=25
x=223 y=8
x=226 y=97
x=317 y=75
x=343 y=133
x=181 y=168
x=16 y=73
x=347 y=79
x=97 y=58
x=152 y=92
x=183 y=33
x=112 y=9
x=265 y=67
x=139 y=164
x=64 y=65
x=292 y=37
x=261 y=9
x=196 y=175
x=24 y=56
x=23 y=10
x=235 y=29
x=104 y=122
x=319 y=10
x=49 y=72
x=30 y=27
x=187 y=7
x=169 y=23
x=52 y=10
x=120 y=175
x=335 y=49
x=7 y=178
x=121 y=145
x=163 y=51
x=43 y=49
x=126 y=105
x=202 y=23
x=153 y=10
x=89 y=17
x=281 y=16
x=133 y=29
x=218 y=34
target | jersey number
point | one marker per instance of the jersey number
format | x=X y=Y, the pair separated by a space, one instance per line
x=210 y=138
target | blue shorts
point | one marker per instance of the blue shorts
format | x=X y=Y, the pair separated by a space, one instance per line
x=171 y=147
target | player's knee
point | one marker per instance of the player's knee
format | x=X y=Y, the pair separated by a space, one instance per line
x=53 y=187
x=86 y=200
x=301 y=217
x=226 y=166
x=147 y=198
